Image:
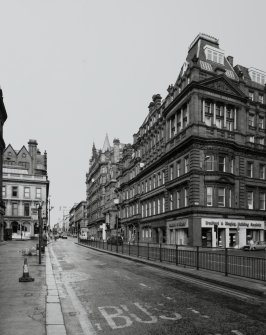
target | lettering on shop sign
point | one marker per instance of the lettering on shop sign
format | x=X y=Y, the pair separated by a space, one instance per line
x=232 y=224
x=122 y=317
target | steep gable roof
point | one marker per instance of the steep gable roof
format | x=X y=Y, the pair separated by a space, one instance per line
x=8 y=149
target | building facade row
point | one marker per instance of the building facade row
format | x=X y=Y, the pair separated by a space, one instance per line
x=196 y=171
x=25 y=187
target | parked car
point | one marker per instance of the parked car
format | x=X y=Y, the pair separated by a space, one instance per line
x=115 y=240
x=257 y=245
x=63 y=236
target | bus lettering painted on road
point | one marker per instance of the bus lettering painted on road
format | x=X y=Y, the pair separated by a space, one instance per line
x=122 y=317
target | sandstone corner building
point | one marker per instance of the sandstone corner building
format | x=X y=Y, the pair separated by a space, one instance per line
x=196 y=172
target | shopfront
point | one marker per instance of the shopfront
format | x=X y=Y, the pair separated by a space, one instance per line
x=230 y=233
x=177 y=231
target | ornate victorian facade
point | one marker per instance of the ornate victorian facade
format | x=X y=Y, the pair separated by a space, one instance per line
x=101 y=185
x=25 y=185
x=196 y=175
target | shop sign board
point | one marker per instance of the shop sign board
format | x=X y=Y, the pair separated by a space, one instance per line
x=232 y=223
x=177 y=224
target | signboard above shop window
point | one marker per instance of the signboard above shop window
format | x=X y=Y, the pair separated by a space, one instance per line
x=232 y=223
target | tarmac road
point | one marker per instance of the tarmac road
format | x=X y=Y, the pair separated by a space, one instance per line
x=104 y=294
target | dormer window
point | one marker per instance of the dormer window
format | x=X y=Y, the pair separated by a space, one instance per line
x=257 y=76
x=214 y=54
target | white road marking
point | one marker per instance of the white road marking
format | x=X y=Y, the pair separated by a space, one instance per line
x=236 y=332
x=141 y=284
x=177 y=316
x=194 y=311
x=82 y=315
x=117 y=314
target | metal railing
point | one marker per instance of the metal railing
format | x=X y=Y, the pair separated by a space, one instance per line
x=218 y=260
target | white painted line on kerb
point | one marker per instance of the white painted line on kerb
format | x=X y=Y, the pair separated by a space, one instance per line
x=82 y=315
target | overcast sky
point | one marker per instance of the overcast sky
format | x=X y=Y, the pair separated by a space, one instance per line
x=73 y=70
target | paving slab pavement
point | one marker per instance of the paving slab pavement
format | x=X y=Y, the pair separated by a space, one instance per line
x=22 y=308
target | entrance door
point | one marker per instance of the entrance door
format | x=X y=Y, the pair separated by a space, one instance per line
x=232 y=238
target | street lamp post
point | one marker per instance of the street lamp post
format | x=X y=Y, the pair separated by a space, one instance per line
x=49 y=215
x=40 y=232
x=116 y=202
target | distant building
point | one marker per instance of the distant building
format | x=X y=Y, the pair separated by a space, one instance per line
x=3 y=117
x=25 y=186
x=101 y=185
x=197 y=174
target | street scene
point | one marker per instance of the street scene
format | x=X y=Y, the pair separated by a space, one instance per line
x=101 y=293
x=132 y=167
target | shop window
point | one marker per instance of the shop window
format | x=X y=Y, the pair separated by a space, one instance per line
x=209 y=197
x=250 y=168
x=14 y=191
x=221 y=197
x=262 y=201
x=250 y=200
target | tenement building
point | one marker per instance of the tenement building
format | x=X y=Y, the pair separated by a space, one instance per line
x=101 y=186
x=3 y=117
x=197 y=173
x=25 y=187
